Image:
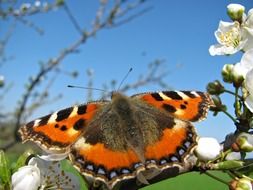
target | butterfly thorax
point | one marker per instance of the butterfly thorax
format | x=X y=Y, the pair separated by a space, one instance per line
x=130 y=129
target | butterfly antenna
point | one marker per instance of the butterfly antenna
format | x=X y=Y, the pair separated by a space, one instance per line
x=130 y=70
x=87 y=88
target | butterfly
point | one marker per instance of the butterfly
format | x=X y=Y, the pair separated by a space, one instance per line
x=125 y=138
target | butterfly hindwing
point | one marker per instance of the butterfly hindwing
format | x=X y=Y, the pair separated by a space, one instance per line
x=56 y=132
x=185 y=105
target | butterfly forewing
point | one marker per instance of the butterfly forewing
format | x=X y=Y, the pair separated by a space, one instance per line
x=185 y=105
x=56 y=132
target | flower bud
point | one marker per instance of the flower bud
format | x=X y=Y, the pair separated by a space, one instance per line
x=235 y=12
x=207 y=149
x=218 y=106
x=24 y=7
x=240 y=184
x=226 y=165
x=237 y=77
x=244 y=142
x=227 y=73
x=215 y=88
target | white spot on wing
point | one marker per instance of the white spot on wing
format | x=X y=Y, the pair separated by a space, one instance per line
x=80 y=143
x=72 y=131
x=180 y=112
x=36 y=122
x=164 y=96
x=74 y=111
x=185 y=97
x=195 y=93
x=53 y=118
x=179 y=124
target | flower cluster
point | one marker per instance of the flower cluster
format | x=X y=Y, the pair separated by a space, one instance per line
x=233 y=37
x=236 y=35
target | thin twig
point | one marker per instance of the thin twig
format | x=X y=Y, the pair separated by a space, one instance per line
x=72 y=19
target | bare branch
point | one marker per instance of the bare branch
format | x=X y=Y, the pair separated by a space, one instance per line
x=27 y=9
x=4 y=42
x=72 y=19
x=52 y=64
x=30 y=24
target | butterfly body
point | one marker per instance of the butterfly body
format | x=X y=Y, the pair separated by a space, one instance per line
x=111 y=141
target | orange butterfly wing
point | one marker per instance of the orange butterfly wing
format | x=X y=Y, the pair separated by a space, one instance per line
x=186 y=105
x=56 y=132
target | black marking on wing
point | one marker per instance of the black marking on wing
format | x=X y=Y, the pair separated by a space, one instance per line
x=63 y=128
x=81 y=109
x=173 y=95
x=44 y=120
x=79 y=124
x=30 y=124
x=188 y=93
x=63 y=114
x=169 y=108
x=157 y=97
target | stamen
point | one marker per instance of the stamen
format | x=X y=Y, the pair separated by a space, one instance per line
x=231 y=37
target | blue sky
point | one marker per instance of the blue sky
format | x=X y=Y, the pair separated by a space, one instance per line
x=178 y=31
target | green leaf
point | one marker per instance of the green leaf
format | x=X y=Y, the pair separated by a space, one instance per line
x=22 y=159
x=5 y=173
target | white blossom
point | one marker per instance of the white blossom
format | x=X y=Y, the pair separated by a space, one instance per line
x=249 y=86
x=245 y=68
x=207 y=149
x=43 y=174
x=234 y=36
x=27 y=177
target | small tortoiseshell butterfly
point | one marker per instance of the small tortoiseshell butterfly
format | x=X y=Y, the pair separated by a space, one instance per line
x=112 y=141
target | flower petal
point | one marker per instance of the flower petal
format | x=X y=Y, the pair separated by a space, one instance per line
x=233 y=156
x=27 y=177
x=249 y=19
x=207 y=149
x=246 y=63
x=54 y=157
x=249 y=80
x=247 y=33
x=249 y=103
x=219 y=49
x=52 y=174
